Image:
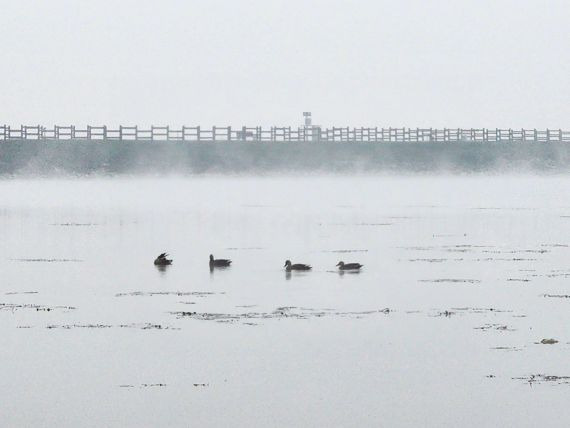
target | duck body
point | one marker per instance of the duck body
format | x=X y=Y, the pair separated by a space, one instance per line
x=219 y=262
x=349 y=266
x=297 y=266
x=162 y=260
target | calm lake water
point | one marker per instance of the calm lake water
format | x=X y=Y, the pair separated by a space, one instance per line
x=463 y=278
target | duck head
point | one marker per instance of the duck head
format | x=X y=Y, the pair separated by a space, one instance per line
x=287 y=263
x=211 y=258
x=340 y=264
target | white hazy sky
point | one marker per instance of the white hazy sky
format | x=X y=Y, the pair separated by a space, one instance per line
x=470 y=63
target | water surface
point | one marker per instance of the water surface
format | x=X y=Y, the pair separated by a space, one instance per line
x=463 y=279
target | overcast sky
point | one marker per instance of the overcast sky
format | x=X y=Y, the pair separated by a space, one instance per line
x=416 y=63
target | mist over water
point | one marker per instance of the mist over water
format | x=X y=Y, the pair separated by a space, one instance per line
x=88 y=158
x=464 y=277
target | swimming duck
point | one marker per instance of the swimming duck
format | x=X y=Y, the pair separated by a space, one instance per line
x=219 y=262
x=161 y=260
x=349 y=266
x=298 y=266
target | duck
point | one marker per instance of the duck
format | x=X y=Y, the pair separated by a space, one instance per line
x=297 y=266
x=161 y=260
x=219 y=262
x=348 y=266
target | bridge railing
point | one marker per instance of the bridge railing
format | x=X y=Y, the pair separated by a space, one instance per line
x=279 y=134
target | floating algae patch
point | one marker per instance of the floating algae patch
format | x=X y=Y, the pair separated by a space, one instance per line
x=147 y=326
x=506 y=348
x=540 y=251
x=518 y=280
x=48 y=260
x=497 y=327
x=558 y=275
x=461 y=248
x=73 y=326
x=466 y=311
x=144 y=385
x=428 y=260
x=357 y=224
x=503 y=259
x=542 y=378
x=16 y=306
x=74 y=224
x=139 y=326
x=170 y=293
x=467 y=246
x=244 y=248
x=345 y=251
x=456 y=248
x=10 y=293
x=482 y=310
x=506 y=208
x=417 y=248
x=451 y=281
x=557 y=296
x=284 y=312
x=446 y=314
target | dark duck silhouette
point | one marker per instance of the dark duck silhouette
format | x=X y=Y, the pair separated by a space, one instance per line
x=349 y=266
x=219 y=262
x=297 y=266
x=161 y=260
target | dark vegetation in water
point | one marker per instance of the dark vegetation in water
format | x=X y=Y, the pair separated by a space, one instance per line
x=345 y=251
x=140 y=326
x=497 y=327
x=290 y=312
x=244 y=248
x=30 y=306
x=557 y=296
x=170 y=293
x=131 y=157
x=144 y=385
x=74 y=224
x=451 y=281
x=49 y=260
x=160 y=385
x=465 y=311
x=506 y=348
x=542 y=378
x=9 y=293
x=503 y=259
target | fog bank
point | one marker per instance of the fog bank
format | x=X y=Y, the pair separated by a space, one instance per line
x=47 y=158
